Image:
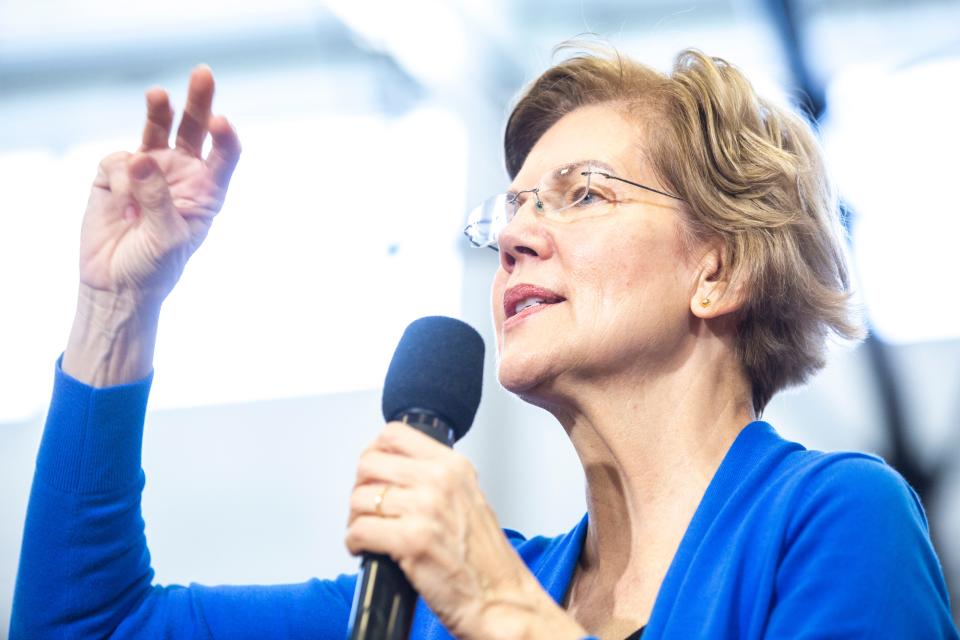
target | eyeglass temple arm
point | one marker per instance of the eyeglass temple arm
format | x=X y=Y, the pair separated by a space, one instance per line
x=637 y=184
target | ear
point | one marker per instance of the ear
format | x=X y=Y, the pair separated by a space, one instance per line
x=715 y=294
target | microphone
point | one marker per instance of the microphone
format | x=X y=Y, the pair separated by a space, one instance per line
x=433 y=384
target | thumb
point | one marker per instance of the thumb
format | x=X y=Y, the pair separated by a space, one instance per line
x=148 y=186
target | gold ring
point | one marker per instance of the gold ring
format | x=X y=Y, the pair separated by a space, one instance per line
x=378 y=502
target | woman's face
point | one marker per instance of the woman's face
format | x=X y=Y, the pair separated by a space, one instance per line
x=617 y=288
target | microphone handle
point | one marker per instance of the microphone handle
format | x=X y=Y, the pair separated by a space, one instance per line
x=384 y=600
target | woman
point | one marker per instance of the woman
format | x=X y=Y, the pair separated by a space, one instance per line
x=669 y=259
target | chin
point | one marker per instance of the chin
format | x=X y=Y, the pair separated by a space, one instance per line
x=514 y=377
x=530 y=377
x=536 y=392
x=519 y=372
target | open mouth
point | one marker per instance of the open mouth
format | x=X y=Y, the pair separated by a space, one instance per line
x=528 y=298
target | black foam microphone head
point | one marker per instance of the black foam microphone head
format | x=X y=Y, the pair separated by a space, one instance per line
x=438 y=365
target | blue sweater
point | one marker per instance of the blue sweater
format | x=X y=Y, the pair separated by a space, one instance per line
x=786 y=543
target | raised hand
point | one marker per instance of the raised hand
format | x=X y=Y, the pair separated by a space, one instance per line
x=150 y=210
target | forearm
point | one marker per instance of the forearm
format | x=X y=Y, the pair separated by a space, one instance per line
x=112 y=340
x=84 y=559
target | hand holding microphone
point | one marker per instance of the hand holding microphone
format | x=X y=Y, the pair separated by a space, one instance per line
x=418 y=503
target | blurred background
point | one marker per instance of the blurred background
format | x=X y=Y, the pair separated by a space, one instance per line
x=368 y=129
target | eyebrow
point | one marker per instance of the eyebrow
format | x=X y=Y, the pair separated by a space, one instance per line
x=596 y=164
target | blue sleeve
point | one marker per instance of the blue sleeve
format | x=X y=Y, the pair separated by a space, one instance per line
x=857 y=560
x=84 y=565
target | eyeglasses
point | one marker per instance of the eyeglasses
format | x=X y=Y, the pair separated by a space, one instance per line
x=570 y=192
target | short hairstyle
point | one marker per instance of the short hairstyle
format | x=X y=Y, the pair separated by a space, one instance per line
x=752 y=175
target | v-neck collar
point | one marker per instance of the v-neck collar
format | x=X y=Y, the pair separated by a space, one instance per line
x=554 y=569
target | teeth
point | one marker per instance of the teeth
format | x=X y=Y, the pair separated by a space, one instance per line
x=527 y=302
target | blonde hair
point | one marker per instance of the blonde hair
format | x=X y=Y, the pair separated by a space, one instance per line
x=752 y=175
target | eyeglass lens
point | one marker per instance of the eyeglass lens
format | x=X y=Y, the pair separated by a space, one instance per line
x=560 y=190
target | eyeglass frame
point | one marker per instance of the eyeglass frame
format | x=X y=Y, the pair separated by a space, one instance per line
x=535 y=191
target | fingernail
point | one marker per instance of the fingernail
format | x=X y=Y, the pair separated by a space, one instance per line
x=142 y=169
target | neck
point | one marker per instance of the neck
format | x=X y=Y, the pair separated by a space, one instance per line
x=649 y=445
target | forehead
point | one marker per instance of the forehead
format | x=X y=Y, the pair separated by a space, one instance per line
x=595 y=132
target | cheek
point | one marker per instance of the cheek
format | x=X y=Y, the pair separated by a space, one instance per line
x=638 y=273
x=496 y=300
x=497 y=287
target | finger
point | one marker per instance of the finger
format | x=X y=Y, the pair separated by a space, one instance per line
x=223 y=157
x=109 y=166
x=400 y=538
x=156 y=131
x=196 y=114
x=403 y=439
x=149 y=189
x=113 y=177
x=394 y=501
x=370 y=534
x=379 y=467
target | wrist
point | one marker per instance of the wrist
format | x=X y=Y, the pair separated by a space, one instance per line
x=529 y=614
x=113 y=337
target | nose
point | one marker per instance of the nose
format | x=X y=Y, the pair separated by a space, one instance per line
x=525 y=237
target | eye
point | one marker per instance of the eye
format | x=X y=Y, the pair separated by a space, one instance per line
x=591 y=197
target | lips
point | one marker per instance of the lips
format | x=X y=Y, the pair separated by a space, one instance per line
x=527 y=298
